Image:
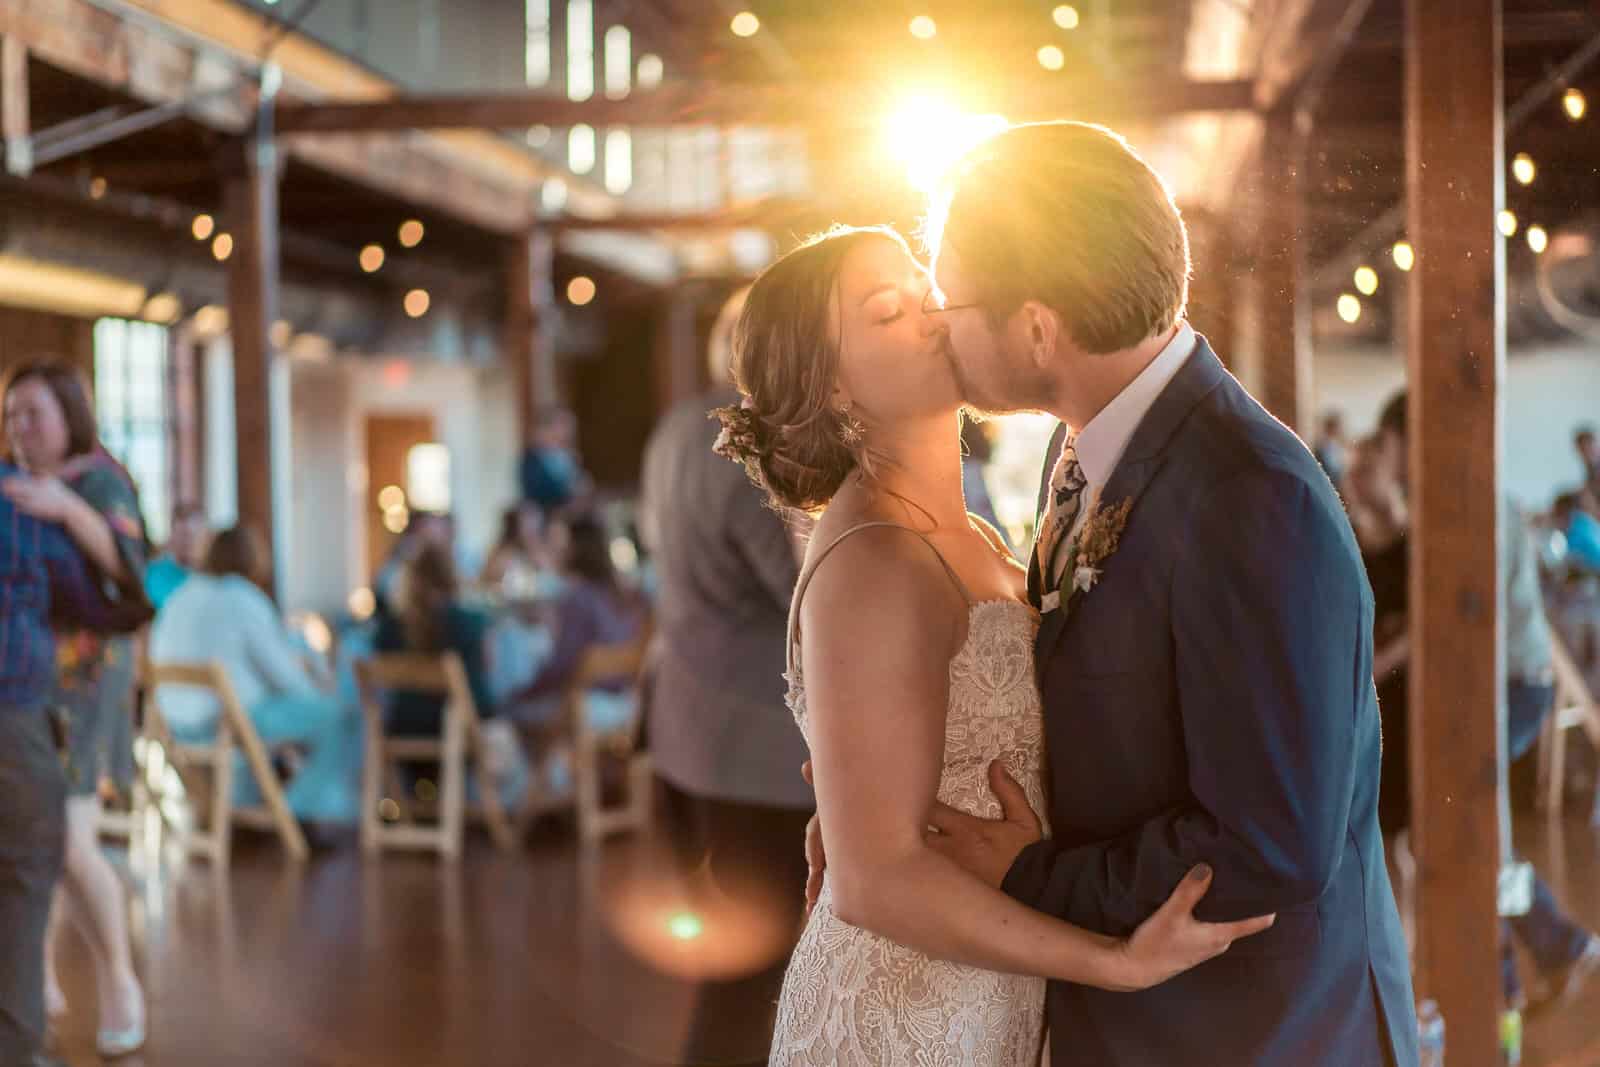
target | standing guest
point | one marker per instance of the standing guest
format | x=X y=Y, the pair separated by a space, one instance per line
x=1565 y=954
x=186 y=547
x=1588 y=446
x=549 y=472
x=221 y=615
x=1332 y=451
x=721 y=734
x=519 y=556
x=50 y=432
x=43 y=581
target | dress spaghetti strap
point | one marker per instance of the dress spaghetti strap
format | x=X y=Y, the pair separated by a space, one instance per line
x=805 y=578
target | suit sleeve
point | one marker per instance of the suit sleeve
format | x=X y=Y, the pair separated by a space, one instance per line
x=760 y=536
x=1268 y=627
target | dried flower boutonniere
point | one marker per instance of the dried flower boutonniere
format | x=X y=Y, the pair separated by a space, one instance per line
x=1094 y=543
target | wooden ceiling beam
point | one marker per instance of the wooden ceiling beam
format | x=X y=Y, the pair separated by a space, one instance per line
x=738 y=106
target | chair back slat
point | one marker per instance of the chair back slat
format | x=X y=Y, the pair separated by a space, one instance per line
x=233 y=728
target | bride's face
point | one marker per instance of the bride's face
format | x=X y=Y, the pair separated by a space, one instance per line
x=893 y=364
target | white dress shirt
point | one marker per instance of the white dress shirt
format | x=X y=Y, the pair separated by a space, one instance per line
x=1102 y=442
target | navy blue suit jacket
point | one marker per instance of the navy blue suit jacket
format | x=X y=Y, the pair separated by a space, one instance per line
x=1211 y=700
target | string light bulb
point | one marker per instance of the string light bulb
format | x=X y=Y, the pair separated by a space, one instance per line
x=745 y=24
x=1522 y=168
x=1538 y=240
x=1066 y=16
x=1508 y=222
x=924 y=28
x=416 y=303
x=411 y=232
x=1405 y=257
x=1052 y=58
x=1349 y=307
x=202 y=227
x=222 y=247
x=580 y=290
x=371 y=258
x=1366 y=280
x=1575 y=104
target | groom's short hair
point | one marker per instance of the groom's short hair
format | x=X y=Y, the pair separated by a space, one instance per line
x=1066 y=213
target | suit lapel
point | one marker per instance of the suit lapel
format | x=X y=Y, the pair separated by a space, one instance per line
x=1141 y=461
x=1035 y=569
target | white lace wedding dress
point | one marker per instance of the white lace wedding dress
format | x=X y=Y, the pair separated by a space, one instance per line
x=854 y=999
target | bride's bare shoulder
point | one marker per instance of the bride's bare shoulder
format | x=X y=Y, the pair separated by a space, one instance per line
x=877 y=578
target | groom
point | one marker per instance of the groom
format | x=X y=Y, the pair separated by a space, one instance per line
x=1205 y=654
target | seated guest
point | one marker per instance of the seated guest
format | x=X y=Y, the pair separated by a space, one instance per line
x=429 y=617
x=519 y=556
x=1575 y=517
x=221 y=615
x=594 y=609
x=424 y=528
x=186 y=546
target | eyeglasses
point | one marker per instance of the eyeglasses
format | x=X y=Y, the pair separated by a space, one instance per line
x=933 y=303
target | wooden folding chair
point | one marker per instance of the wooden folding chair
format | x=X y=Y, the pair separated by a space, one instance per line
x=234 y=730
x=1575 y=707
x=590 y=745
x=460 y=739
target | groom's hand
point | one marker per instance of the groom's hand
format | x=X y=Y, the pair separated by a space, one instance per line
x=987 y=847
x=816 y=860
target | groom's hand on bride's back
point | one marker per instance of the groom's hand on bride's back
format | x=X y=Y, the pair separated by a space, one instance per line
x=987 y=847
x=816 y=860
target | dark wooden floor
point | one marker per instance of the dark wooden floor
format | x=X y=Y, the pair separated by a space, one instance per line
x=539 y=958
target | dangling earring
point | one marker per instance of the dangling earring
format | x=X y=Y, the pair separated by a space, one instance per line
x=851 y=430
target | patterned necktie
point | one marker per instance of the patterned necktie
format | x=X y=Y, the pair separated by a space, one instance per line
x=1066 y=499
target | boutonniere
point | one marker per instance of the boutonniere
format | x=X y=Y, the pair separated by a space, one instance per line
x=1089 y=550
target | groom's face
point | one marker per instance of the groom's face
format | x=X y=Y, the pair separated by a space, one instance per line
x=993 y=369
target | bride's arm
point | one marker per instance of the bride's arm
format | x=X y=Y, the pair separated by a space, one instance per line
x=880 y=623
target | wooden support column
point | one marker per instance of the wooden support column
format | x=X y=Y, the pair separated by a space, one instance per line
x=1456 y=362
x=1284 y=310
x=679 y=361
x=14 y=121
x=185 y=422
x=530 y=308
x=250 y=213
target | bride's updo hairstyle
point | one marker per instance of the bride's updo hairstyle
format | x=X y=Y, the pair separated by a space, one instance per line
x=792 y=441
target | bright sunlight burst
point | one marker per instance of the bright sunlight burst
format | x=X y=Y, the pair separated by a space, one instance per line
x=928 y=136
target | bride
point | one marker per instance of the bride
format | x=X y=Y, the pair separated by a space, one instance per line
x=911 y=671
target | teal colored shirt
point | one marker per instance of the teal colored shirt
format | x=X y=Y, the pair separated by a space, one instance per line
x=162 y=578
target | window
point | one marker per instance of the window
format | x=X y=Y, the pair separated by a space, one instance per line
x=581 y=149
x=580 y=49
x=536 y=43
x=619 y=62
x=619 y=162
x=130 y=399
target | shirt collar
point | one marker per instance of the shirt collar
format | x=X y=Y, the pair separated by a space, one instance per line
x=1101 y=443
